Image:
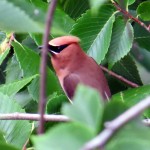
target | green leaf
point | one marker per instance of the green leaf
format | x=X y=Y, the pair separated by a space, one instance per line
x=4 y=50
x=62 y=23
x=34 y=12
x=124 y=4
x=119 y=86
x=23 y=98
x=29 y=62
x=54 y=103
x=2 y=139
x=21 y=36
x=30 y=43
x=127 y=68
x=94 y=30
x=121 y=42
x=142 y=56
x=112 y=110
x=12 y=88
x=37 y=38
x=2 y=37
x=30 y=107
x=143 y=42
x=87 y=108
x=16 y=132
x=40 y=4
x=132 y=96
x=130 y=2
x=143 y=11
x=30 y=17
x=68 y=136
x=96 y=3
x=20 y=16
x=142 y=38
x=133 y=136
x=75 y=8
x=4 y=55
x=4 y=146
x=13 y=71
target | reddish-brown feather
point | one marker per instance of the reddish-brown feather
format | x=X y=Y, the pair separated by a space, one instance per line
x=64 y=40
x=73 y=66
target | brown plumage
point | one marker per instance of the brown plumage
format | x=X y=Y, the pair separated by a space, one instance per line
x=73 y=66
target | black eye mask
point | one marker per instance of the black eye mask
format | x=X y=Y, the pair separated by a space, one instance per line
x=56 y=49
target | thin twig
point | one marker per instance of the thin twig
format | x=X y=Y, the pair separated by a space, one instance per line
x=130 y=16
x=42 y=102
x=121 y=78
x=48 y=118
x=116 y=124
x=33 y=117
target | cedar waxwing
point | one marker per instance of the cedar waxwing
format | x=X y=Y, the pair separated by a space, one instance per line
x=73 y=66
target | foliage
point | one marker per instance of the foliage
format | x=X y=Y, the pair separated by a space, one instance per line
x=109 y=36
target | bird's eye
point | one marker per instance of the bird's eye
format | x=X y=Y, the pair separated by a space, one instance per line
x=57 y=49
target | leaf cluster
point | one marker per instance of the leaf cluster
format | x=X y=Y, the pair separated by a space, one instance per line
x=109 y=36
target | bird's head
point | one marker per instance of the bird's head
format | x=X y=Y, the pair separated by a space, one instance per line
x=64 y=51
x=61 y=44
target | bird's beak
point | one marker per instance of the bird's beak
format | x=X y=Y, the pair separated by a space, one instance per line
x=51 y=52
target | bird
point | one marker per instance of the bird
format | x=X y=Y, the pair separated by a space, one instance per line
x=73 y=66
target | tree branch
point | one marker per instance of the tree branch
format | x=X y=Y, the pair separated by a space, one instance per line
x=42 y=102
x=130 y=16
x=134 y=85
x=116 y=124
x=34 y=117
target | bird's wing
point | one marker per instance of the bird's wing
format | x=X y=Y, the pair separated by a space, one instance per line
x=70 y=84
